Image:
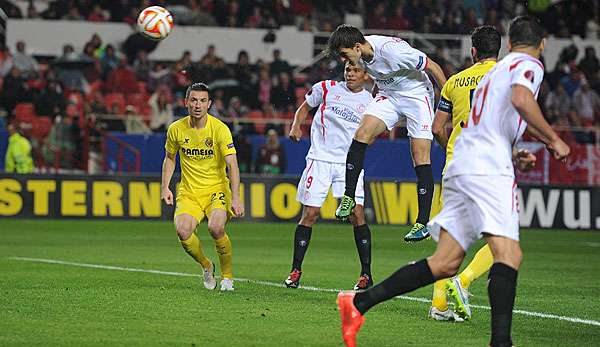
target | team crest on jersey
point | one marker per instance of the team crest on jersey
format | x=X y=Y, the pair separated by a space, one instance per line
x=361 y=108
x=208 y=142
x=529 y=75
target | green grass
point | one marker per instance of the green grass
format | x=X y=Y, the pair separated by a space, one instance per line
x=52 y=304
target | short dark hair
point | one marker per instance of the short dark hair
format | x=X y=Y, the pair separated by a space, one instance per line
x=486 y=40
x=344 y=36
x=525 y=31
x=199 y=87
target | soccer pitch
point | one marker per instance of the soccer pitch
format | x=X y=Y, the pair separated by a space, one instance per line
x=96 y=283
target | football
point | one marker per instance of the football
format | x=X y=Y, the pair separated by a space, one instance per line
x=155 y=23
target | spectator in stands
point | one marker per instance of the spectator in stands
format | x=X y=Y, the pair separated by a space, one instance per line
x=278 y=65
x=449 y=25
x=97 y=14
x=210 y=58
x=73 y=14
x=14 y=90
x=6 y=62
x=134 y=123
x=590 y=64
x=271 y=155
x=162 y=111
x=587 y=104
x=558 y=104
x=96 y=105
x=142 y=66
x=60 y=144
x=283 y=96
x=572 y=82
x=180 y=78
x=109 y=61
x=398 y=20
x=244 y=152
x=186 y=59
x=160 y=76
x=592 y=27
x=270 y=113
x=50 y=101
x=96 y=42
x=70 y=77
x=264 y=87
x=235 y=111
x=18 y=152
x=24 y=62
x=122 y=79
x=491 y=18
x=92 y=72
x=376 y=18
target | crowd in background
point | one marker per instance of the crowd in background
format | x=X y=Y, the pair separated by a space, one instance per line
x=562 y=18
x=107 y=88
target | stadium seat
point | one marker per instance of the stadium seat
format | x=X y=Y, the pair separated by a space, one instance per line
x=115 y=98
x=138 y=100
x=25 y=112
x=41 y=127
x=95 y=86
x=72 y=111
x=142 y=87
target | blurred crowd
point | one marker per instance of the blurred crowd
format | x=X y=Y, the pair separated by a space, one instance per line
x=64 y=102
x=562 y=18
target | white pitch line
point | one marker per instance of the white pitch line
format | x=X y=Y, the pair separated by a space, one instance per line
x=273 y=284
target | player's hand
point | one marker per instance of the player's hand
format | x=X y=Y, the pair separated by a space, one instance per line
x=295 y=134
x=167 y=196
x=559 y=149
x=525 y=160
x=238 y=208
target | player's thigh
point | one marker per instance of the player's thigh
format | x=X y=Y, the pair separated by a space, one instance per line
x=314 y=183
x=420 y=150
x=419 y=115
x=495 y=208
x=505 y=250
x=447 y=257
x=338 y=184
x=454 y=216
x=379 y=115
x=185 y=224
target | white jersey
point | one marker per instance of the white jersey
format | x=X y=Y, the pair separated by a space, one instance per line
x=397 y=68
x=336 y=119
x=484 y=146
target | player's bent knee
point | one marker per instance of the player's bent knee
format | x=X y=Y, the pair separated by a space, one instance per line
x=309 y=216
x=184 y=230
x=216 y=230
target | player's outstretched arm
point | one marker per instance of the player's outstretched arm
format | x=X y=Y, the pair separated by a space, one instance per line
x=436 y=71
x=167 y=172
x=438 y=128
x=233 y=171
x=299 y=118
x=524 y=101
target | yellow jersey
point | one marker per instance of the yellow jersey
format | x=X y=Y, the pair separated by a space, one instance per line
x=456 y=99
x=201 y=152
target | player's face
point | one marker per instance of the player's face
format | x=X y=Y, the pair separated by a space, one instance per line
x=197 y=103
x=350 y=54
x=354 y=75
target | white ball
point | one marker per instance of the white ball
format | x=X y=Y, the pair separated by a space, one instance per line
x=155 y=22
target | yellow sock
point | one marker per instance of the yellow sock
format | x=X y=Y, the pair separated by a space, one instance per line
x=480 y=264
x=439 y=300
x=193 y=247
x=223 y=246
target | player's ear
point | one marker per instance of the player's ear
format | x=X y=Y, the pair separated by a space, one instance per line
x=209 y=103
x=474 y=54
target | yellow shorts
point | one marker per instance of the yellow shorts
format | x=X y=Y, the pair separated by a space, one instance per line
x=201 y=202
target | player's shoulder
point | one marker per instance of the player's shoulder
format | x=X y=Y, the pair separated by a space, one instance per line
x=519 y=60
x=216 y=123
x=179 y=124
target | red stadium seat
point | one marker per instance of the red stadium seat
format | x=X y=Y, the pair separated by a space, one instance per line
x=115 y=98
x=41 y=127
x=25 y=112
x=138 y=100
x=142 y=87
x=257 y=114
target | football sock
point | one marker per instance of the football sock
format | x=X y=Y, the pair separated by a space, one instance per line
x=502 y=288
x=424 y=191
x=301 y=241
x=362 y=238
x=223 y=247
x=480 y=264
x=193 y=247
x=404 y=280
x=439 y=300
x=354 y=165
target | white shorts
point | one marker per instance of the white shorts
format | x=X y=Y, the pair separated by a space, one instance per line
x=478 y=204
x=318 y=176
x=417 y=110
